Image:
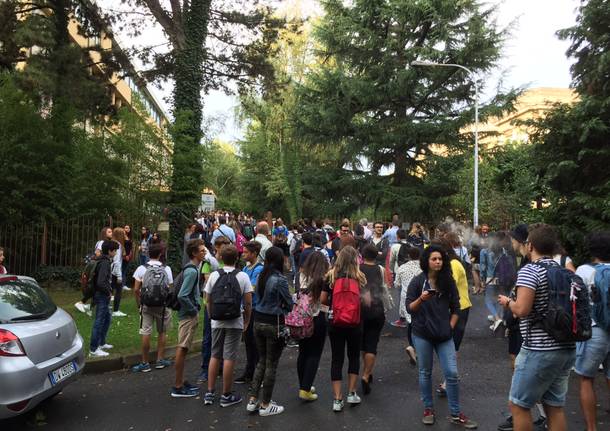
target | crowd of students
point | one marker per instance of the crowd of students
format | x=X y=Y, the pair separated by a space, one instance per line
x=251 y=281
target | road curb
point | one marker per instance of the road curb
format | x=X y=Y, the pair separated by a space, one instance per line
x=98 y=366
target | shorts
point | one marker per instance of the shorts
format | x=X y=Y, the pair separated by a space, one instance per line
x=186 y=331
x=161 y=317
x=225 y=342
x=371 y=331
x=541 y=376
x=593 y=352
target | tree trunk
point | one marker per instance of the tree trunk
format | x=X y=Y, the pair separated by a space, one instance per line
x=187 y=172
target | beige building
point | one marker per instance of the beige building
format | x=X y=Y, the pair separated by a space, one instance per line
x=534 y=103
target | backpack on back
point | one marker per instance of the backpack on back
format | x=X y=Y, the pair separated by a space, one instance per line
x=225 y=297
x=346 y=302
x=172 y=300
x=300 y=319
x=155 y=286
x=87 y=278
x=505 y=272
x=600 y=294
x=568 y=318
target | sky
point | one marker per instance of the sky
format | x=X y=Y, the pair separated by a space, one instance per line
x=533 y=55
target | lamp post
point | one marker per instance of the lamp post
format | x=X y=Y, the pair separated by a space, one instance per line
x=476 y=129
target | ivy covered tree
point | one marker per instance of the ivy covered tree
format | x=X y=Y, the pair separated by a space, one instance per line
x=384 y=114
x=572 y=141
x=211 y=43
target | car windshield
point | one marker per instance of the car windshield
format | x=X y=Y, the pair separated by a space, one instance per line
x=22 y=300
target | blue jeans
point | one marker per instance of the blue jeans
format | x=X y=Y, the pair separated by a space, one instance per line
x=206 y=344
x=101 y=302
x=491 y=300
x=446 y=355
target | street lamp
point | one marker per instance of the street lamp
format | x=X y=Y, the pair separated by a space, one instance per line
x=476 y=129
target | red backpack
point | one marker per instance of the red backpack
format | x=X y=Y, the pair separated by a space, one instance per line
x=346 y=302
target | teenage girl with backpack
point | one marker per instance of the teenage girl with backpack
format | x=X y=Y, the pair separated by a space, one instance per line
x=346 y=282
x=312 y=282
x=274 y=302
x=373 y=312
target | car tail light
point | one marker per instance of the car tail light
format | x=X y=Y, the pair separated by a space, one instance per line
x=10 y=344
x=17 y=407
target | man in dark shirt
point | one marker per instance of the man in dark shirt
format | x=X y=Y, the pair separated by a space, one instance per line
x=101 y=300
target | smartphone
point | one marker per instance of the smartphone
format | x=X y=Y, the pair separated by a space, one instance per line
x=431 y=291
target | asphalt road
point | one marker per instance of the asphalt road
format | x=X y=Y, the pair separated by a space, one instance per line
x=126 y=401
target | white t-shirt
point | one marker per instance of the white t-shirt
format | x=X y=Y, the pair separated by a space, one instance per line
x=557 y=258
x=587 y=273
x=246 y=287
x=139 y=274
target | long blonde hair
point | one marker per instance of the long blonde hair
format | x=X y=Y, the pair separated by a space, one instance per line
x=347 y=266
x=118 y=234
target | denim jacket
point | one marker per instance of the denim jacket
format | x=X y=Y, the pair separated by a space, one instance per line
x=277 y=299
x=488 y=262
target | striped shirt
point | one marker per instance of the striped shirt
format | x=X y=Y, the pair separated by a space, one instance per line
x=534 y=277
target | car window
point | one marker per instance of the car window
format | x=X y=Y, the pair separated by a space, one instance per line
x=22 y=300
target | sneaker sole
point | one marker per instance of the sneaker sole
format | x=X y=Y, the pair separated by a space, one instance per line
x=191 y=395
x=229 y=404
x=270 y=414
x=148 y=370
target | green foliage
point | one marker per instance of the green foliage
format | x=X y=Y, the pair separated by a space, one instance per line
x=51 y=275
x=572 y=151
x=384 y=114
x=106 y=173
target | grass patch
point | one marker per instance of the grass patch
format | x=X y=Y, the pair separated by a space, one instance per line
x=124 y=331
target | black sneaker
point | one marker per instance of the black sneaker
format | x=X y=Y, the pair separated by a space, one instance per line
x=441 y=392
x=540 y=424
x=242 y=380
x=507 y=425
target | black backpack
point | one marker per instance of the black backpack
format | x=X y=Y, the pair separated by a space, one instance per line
x=172 y=300
x=225 y=297
x=568 y=318
x=155 y=286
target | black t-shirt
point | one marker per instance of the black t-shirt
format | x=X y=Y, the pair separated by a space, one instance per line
x=374 y=286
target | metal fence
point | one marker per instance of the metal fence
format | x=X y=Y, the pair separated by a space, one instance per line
x=62 y=244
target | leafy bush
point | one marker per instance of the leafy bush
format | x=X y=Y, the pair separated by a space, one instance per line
x=63 y=274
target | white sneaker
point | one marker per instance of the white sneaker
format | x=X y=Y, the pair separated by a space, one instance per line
x=338 y=405
x=80 y=307
x=87 y=307
x=118 y=314
x=496 y=325
x=106 y=346
x=126 y=288
x=272 y=409
x=98 y=353
x=491 y=318
x=353 y=398
x=252 y=406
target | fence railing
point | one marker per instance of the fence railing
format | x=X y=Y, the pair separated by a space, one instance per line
x=65 y=244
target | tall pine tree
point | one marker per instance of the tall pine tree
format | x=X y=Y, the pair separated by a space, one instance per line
x=384 y=114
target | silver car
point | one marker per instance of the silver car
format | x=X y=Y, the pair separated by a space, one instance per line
x=40 y=349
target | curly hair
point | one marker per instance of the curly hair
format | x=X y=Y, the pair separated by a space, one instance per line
x=445 y=276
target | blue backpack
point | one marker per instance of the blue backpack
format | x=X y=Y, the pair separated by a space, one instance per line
x=600 y=294
x=568 y=317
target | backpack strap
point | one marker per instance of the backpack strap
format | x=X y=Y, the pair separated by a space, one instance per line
x=223 y=234
x=563 y=261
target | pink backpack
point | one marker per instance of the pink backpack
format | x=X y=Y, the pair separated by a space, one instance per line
x=300 y=319
x=239 y=242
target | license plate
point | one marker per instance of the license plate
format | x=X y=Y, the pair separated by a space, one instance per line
x=62 y=373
